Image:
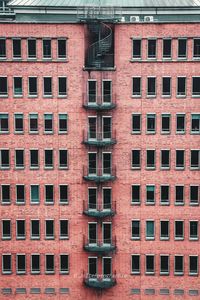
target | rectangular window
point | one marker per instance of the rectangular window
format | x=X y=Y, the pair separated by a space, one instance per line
x=35 y=229
x=48 y=161
x=63 y=194
x=194 y=195
x=47 y=86
x=64 y=234
x=64 y=263
x=180 y=123
x=35 y=197
x=6 y=264
x=17 y=86
x=151 y=86
x=196 y=48
x=179 y=230
x=135 y=230
x=5 y=159
x=63 y=159
x=196 y=86
x=19 y=123
x=16 y=48
x=182 y=48
x=136 y=159
x=106 y=91
x=164 y=264
x=166 y=86
x=164 y=194
x=181 y=86
x=151 y=48
x=35 y=263
x=165 y=123
x=180 y=159
x=193 y=265
x=48 y=123
x=47 y=48
x=167 y=48
x=49 y=229
x=19 y=159
x=62 y=123
x=164 y=230
x=194 y=159
x=20 y=230
x=34 y=159
x=150 y=194
x=2 y=48
x=49 y=263
x=165 y=159
x=178 y=265
x=195 y=123
x=33 y=123
x=49 y=194
x=179 y=194
x=62 y=86
x=92 y=91
x=136 y=123
x=6 y=229
x=62 y=53
x=135 y=264
x=193 y=230
x=4 y=124
x=32 y=87
x=149 y=264
x=150 y=230
x=20 y=194
x=3 y=87
x=150 y=159
x=136 y=92
x=5 y=194
x=137 y=47
x=136 y=194
x=21 y=264
x=151 y=123
x=31 y=48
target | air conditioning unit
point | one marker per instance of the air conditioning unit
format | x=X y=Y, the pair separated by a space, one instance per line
x=134 y=19
x=148 y=19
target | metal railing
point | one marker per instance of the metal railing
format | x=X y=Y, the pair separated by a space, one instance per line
x=93 y=100
x=99 y=206
x=99 y=172
x=103 y=136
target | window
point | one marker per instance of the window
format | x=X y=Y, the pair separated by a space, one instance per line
x=178 y=265
x=2 y=48
x=49 y=264
x=48 y=123
x=4 y=127
x=167 y=48
x=64 y=229
x=62 y=86
x=136 y=87
x=62 y=53
x=5 y=159
x=151 y=48
x=182 y=48
x=193 y=230
x=180 y=123
x=62 y=123
x=179 y=227
x=135 y=230
x=63 y=193
x=31 y=48
x=33 y=123
x=196 y=86
x=150 y=159
x=17 y=86
x=196 y=48
x=63 y=161
x=181 y=86
x=49 y=194
x=35 y=199
x=3 y=87
x=64 y=263
x=34 y=159
x=193 y=265
x=194 y=159
x=19 y=159
x=46 y=48
x=151 y=123
x=165 y=159
x=135 y=264
x=164 y=264
x=32 y=86
x=92 y=91
x=21 y=264
x=150 y=230
x=47 y=81
x=20 y=229
x=35 y=229
x=194 y=194
x=179 y=194
x=195 y=123
x=6 y=264
x=20 y=194
x=151 y=86
x=107 y=91
x=48 y=158
x=16 y=48
x=35 y=263
x=136 y=159
x=180 y=159
x=164 y=194
x=137 y=47
x=19 y=123
x=149 y=264
x=49 y=229
x=166 y=86
x=5 y=194
x=6 y=229
x=165 y=123
x=135 y=194
x=164 y=230
x=150 y=194
x=136 y=123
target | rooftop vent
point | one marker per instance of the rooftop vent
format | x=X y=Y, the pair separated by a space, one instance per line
x=148 y=19
x=134 y=19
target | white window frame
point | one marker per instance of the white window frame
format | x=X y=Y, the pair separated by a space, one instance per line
x=63 y=272
x=35 y=272
x=62 y=202
x=35 y=95
x=197 y=237
x=31 y=235
x=60 y=236
x=6 y=237
x=45 y=197
x=167 y=237
x=10 y=271
x=17 y=267
x=1 y=193
x=179 y=238
x=175 y=272
x=49 y=237
x=135 y=237
x=17 y=236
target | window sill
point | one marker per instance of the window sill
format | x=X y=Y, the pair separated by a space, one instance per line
x=193 y=274
x=166 y=58
x=63 y=168
x=195 y=96
x=135 y=238
x=48 y=132
x=150 y=168
x=31 y=58
x=179 y=168
x=20 y=238
x=164 y=273
x=151 y=96
x=149 y=273
x=62 y=96
x=3 y=58
x=150 y=203
x=4 y=132
x=164 y=168
x=135 y=203
x=6 y=238
x=18 y=96
x=195 y=132
x=32 y=96
x=178 y=274
x=6 y=203
x=164 y=203
x=179 y=239
x=17 y=58
x=4 y=96
x=49 y=272
x=165 y=132
x=194 y=239
x=136 y=96
x=6 y=272
x=48 y=96
x=48 y=168
x=136 y=132
x=64 y=272
x=166 y=96
x=20 y=203
x=21 y=272
x=164 y=238
x=194 y=168
x=135 y=273
x=34 y=168
x=179 y=203
x=64 y=203
x=33 y=132
x=150 y=132
x=135 y=168
x=133 y=59
x=35 y=272
x=150 y=238
x=49 y=203
x=19 y=132
x=64 y=238
x=62 y=132
x=35 y=203
x=180 y=132
x=181 y=96
x=49 y=238
x=194 y=204
x=35 y=238
x=19 y=168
